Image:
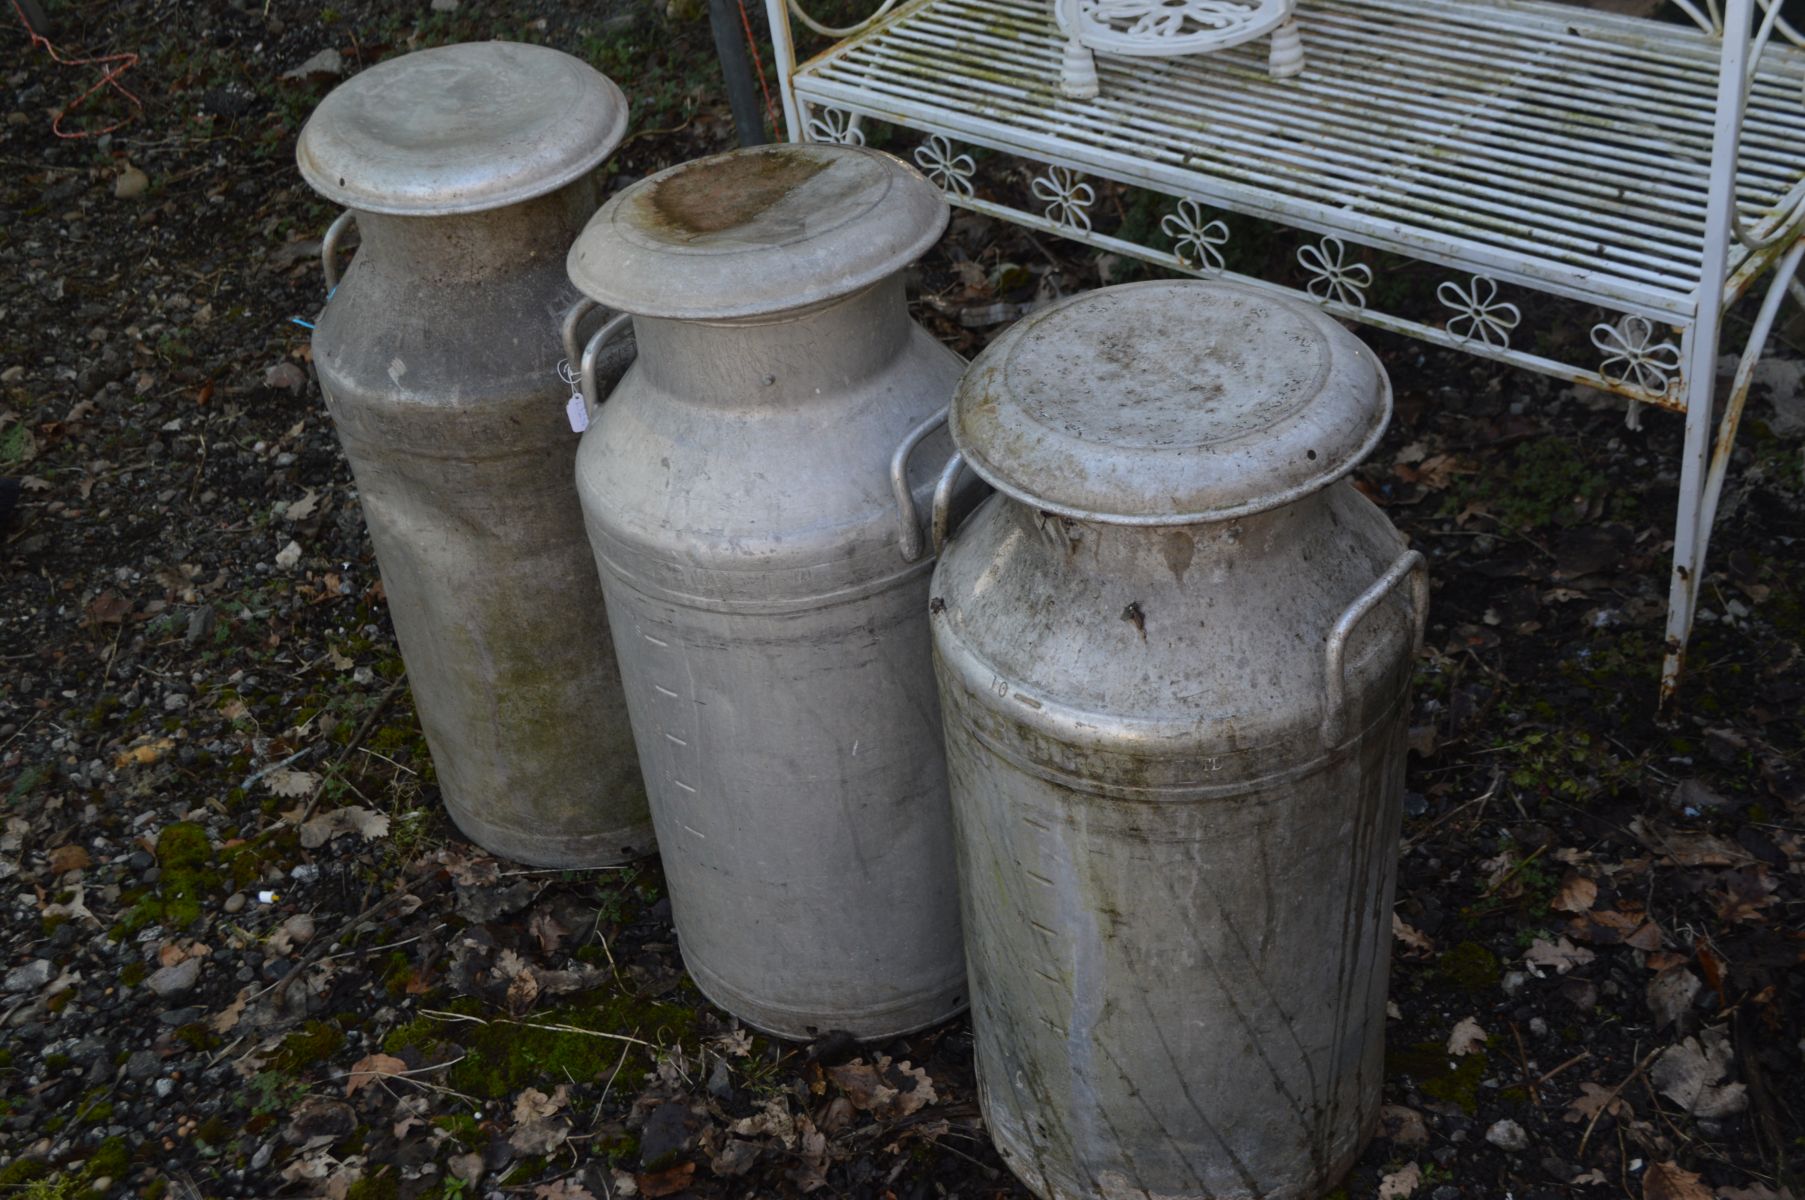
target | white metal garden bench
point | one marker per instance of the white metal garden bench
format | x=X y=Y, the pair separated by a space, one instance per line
x=1523 y=149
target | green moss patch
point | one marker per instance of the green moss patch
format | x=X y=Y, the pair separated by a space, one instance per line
x=502 y=1056
x=1471 y=967
x=1439 y=1075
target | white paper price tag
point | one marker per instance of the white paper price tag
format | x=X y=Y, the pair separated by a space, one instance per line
x=575 y=410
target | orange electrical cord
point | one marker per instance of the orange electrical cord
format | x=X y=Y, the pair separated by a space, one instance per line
x=115 y=64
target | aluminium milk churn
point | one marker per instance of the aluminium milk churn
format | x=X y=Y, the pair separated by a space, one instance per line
x=1173 y=654
x=770 y=621
x=468 y=171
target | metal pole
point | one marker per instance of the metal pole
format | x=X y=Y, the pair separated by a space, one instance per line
x=783 y=55
x=1701 y=345
x=736 y=69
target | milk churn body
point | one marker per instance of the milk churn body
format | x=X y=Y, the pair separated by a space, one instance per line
x=438 y=355
x=1177 y=841
x=772 y=638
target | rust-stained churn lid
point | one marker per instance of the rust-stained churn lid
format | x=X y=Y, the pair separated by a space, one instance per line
x=1169 y=403
x=460 y=129
x=754 y=231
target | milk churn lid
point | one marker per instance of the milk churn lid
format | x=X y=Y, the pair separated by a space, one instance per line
x=759 y=230
x=460 y=129
x=1168 y=403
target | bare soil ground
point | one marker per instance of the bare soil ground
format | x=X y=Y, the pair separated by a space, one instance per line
x=1597 y=980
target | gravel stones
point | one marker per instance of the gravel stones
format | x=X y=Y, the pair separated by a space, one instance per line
x=28 y=978
x=177 y=980
x=1508 y=1136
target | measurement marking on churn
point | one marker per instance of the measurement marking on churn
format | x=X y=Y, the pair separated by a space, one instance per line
x=675 y=739
x=655 y=641
x=1043 y=929
x=684 y=786
x=664 y=691
x=1037 y=877
x=697 y=832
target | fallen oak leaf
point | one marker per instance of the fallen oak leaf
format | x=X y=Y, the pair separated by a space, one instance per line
x=370 y=1068
x=541 y=1136
x=226 y=1019
x=1689 y=1074
x=1561 y=956
x=1401 y=1183
x=1670 y=1181
x=1467 y=1037
x=1577 y=894
x=532 y=1104
x=1593 y=1099
x=1416 y=943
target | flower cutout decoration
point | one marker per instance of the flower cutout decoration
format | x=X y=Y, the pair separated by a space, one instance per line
x=1068 y=199
x=1478 y=313
x=1332 y=277
x=834 y=125
x=1197 y=243
x=1633 y=357
x=948 y=171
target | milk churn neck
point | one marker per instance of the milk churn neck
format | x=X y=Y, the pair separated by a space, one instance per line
x=1170 y=403
x=460 y=129
x=759 y=231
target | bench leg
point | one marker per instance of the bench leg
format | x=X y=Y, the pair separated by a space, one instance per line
x=1078 y=72
x=1287 y=51
x=1688 y=550
x=1702 y=484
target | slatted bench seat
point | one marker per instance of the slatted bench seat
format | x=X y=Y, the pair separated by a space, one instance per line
x=1521 y=149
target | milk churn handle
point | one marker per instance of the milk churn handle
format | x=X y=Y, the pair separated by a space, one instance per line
x=943 y=499
x=573 y=323
x=908 y=521
x=329 y=248
x=611 y=329
x=1334 y=701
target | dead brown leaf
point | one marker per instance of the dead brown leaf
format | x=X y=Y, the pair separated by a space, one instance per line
x=1467 y=1037
x=108 y=608
x=370 y=1068
x=1591 y=1099
x=1689 y=1074
x=1415 y=942
x=69 y=858
x=541 y=1136
x=886 y=1090
x=533 y=1104
x=1744 y=894
x=665 y=1183
x=1670 y=1181
x=1561 y=956
x=144 y=754
x=1577 y=894
x=1671 y=993
x=566 y=1188
x=1401 y=1183
x=1688 y=848
x=226 y=1019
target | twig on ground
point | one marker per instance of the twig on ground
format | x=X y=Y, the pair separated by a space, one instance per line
x=279 y=989
x=356 y=741
x=1611 y=1096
